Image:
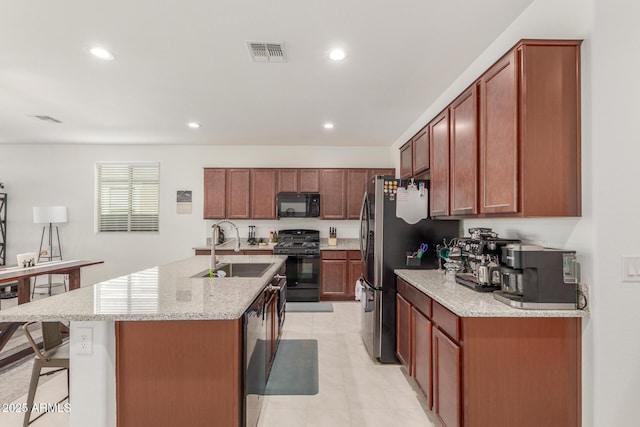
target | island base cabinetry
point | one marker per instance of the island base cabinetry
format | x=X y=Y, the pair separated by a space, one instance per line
x=179 y=373
x=494 y=371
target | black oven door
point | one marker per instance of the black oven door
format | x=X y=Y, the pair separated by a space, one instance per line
x=303 y=278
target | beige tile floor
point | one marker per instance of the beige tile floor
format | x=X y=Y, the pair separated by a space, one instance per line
x=354 y=391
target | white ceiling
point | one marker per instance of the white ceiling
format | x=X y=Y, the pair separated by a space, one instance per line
x=178 y=61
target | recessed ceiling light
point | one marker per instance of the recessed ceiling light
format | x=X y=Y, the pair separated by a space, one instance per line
x=102 y=53
x=337 y=54
x=193 y=125
x=328 y=125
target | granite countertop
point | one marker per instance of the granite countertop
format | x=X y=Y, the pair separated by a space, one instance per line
x=465 y=302
x=342 y=245
x=166 y=292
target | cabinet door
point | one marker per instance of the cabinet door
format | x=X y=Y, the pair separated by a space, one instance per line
x=406 y=161
x=332 y=194
x=403 y=332
x=499 y=137
x=215 y=202
x=270 y=338
x=263 y=193
x=287 y=180
x=421 y=354
x=439 y=137
x=355 y=271
x=446 y=379
x=309 y=181
x=464 y=153
x=421 y=151
x=238 y=201
x=333 y=277
x=356 y=180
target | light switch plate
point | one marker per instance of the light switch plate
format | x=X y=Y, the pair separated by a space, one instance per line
x=631 y=268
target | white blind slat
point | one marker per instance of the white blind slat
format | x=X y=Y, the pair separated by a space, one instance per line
x=127 y=197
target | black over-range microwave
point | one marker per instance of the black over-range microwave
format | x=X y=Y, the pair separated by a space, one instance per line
x=298 y=205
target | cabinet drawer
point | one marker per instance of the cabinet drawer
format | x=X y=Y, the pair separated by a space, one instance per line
x=419 y=300
x=333 y=254
x=354 y=255
x=447 y=321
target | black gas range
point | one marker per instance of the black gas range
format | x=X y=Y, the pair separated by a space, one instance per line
x=303 y=263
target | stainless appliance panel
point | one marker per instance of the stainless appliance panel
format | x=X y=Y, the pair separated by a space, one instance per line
x=371 y=321
x=255 y=357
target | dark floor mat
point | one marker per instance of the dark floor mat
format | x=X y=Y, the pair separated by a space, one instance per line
x=295 y=369
x=309 y=307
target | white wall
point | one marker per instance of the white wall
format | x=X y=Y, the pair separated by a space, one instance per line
x=36 y=175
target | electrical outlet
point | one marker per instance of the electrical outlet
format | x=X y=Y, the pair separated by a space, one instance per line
x=85 y=340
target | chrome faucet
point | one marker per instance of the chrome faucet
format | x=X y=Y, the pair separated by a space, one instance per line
x=215 y=229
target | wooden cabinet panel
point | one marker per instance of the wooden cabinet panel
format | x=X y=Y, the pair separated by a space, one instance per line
x=446 y=320
x=406 y=161
x=215 y=181
x=257 y=252
x=153 y=360
x=421 y=151
x=421 y=355
x=309 y=181
x=464 y=153
x=263 y=193
x=414 y=296
x=355 y=271
x=332 y=194
x=446 y=379
x=499 y=137
x=238 y=191
x=403 y=332
x=271 y=332
x=439 y=145
x=356 y=181
x=333 y=277
x=287 y=180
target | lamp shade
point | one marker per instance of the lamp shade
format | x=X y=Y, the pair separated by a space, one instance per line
x=49 y=214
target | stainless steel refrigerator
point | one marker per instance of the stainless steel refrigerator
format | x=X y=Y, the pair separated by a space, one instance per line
x=385 y=240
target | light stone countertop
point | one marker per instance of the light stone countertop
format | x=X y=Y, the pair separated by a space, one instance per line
x=166 y=292
x=466 y=302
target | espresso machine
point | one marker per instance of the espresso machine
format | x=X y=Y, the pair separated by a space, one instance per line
x=538 y=278
x=480 y=254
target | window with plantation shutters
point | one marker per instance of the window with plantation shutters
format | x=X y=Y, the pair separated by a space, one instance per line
x=127 y=197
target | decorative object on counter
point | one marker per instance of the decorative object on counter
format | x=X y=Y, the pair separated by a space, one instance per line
x=414 y=258
x=27 y=259
x=333 y=236
x=273 y=237
x=252 y=235
x=49 y=215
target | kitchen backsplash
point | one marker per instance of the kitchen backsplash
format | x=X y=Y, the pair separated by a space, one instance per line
x=346 y=229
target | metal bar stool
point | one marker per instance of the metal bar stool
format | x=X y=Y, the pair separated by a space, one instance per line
x=55 y=354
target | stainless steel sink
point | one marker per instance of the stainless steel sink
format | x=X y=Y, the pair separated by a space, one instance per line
x=238 y=270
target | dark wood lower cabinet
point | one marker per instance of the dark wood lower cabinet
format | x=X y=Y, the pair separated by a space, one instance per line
x=421 y=353
x=446 y=380
x=491 y=371
x=403 y=332
x=339 y=271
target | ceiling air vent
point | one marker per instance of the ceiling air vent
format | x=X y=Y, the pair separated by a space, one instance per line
x=266 y=52
x=47 y=119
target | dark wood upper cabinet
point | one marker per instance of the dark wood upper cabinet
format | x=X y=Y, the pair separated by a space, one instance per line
x=356 y=180
x=421 y=151
x=333 y=194
x=215 y=182
x=406 y=160
x=439 y=191
x=238 y=191
x=263 y=193
x=464 y=153
x=530 y=131
x=309 y=181
x=287 y=180
x=499 y=137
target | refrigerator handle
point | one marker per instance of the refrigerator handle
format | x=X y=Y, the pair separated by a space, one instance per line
x=363 y=235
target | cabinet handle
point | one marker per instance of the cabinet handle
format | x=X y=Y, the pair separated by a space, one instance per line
x=280 y=276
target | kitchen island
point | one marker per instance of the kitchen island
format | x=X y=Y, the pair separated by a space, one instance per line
x=480 y=362
x=166 y=346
